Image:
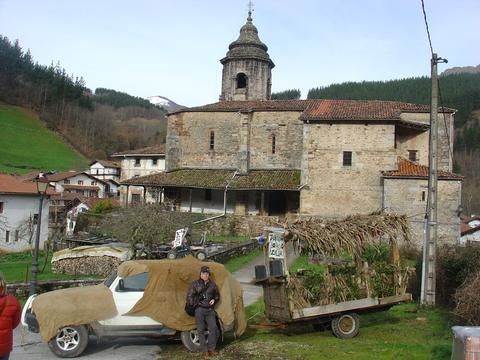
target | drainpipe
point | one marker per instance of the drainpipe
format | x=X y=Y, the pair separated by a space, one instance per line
x=224 y=202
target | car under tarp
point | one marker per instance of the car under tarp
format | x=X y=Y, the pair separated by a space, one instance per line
x=163 y=299
x=167 y=286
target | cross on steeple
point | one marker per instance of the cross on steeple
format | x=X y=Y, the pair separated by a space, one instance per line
x=250 y=10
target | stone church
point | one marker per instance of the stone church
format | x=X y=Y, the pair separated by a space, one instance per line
x=248 y=154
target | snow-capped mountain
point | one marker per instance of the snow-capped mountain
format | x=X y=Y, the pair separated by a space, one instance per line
x=164 y=102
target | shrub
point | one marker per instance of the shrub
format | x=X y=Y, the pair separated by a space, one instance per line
x=454 y=265
x=467 y=298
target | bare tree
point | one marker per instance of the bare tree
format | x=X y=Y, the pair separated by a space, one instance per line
x=146 y=224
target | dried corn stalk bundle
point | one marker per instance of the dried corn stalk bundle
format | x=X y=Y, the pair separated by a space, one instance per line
x=299 y=295
x=350 y=235
x=354 y=279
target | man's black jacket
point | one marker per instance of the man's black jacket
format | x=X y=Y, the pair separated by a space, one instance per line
x=200 y=293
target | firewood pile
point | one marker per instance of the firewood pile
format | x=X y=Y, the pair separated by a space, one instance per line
x=89 y=260
x=87 y=265
x=370 y=264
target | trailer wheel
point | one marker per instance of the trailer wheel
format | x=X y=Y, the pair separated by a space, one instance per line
x=346 y=326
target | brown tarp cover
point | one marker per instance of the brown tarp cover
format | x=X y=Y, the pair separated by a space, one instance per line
x=168 y=283
x=73 y=306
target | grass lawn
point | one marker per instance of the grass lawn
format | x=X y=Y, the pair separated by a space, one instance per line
x=234 y=264
x=17 y=268
x=25 y=141
x=403 y=332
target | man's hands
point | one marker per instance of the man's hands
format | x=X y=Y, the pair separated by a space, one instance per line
x=211 y=302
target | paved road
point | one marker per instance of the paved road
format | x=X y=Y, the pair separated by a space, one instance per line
x=28 y=346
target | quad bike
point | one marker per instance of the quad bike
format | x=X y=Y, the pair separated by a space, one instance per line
x=183 y=246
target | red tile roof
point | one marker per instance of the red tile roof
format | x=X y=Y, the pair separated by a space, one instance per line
x=11 y=184
x=106 y=163
x=151 y=150
x=466 y=229
x=410 y=169
x=62 y=175
x=321 y=109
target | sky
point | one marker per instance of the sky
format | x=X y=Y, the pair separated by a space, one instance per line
x=172 y=48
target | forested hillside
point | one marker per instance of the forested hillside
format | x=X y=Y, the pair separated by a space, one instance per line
x=458 y=91
x=95 y=124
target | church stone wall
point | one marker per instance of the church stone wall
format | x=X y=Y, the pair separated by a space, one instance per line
x=445 y=135
x=409 y=197
x=333 y=190
x=188 y=140
x=288 y=132
x=258 y=84
x=242 y=140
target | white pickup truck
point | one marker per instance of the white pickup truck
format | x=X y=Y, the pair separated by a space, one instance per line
x=71 y=341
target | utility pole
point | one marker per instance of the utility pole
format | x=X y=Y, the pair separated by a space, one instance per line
x=430 y=245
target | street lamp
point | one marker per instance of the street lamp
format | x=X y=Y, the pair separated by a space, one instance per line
x=42 y=186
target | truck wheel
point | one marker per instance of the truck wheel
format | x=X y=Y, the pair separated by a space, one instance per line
x=190 y=340
x=172 y=255
x=346 y=326
x=69 y=342
x=200 y=255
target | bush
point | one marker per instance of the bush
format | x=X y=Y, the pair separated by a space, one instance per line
x=454 y=265
x=467 y=298
x=102 y=205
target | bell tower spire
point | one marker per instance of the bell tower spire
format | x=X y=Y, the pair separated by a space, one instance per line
x=247 y=67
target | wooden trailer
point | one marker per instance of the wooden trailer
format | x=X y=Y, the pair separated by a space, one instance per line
x=280 y=305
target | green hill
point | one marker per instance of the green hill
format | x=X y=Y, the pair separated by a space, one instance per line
x=27 y=145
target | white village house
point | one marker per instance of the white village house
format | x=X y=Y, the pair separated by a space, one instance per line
x=109 y=172
x=19 y=209
x=78 y=182
x=136 y=163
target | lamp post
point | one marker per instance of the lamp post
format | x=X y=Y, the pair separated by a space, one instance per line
x=42 y=185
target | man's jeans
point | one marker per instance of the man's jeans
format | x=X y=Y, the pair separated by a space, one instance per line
x=5 y=357
x=206 y=316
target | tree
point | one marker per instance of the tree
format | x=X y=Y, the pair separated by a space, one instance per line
x=147 y=224
x=293 y=94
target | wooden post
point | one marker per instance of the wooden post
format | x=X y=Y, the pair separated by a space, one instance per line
x=144 y=194
x=190 y=199
x=262 y=203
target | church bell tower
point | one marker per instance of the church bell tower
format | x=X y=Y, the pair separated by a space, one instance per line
x=247 y=67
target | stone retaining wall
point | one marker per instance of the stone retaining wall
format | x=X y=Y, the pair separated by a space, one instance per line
x=243 y=249
x=22 y=289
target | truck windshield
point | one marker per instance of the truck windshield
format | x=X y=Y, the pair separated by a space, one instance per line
x=109 y=280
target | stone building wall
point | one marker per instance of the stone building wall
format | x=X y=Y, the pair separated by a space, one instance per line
x=188 y=140
x=409 y=197
x=445 y=126
x=410 y=139
x=333 y=190
x=242 y=140
x=288 y=132
x=258 y=75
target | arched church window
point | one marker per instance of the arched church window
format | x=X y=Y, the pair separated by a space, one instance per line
x=241 y=81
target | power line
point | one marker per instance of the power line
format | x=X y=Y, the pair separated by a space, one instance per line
x=426 y=25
